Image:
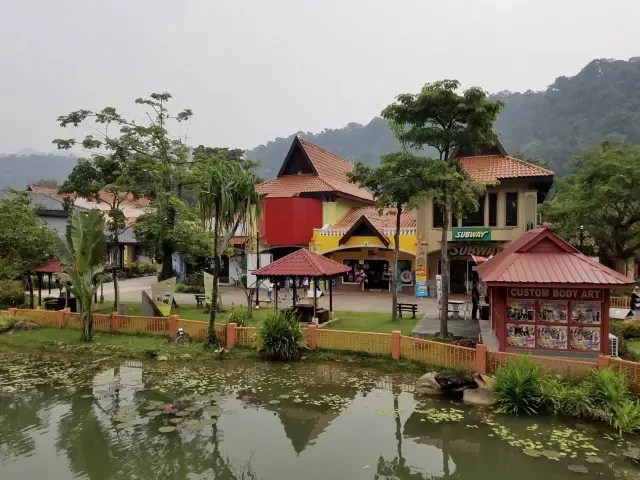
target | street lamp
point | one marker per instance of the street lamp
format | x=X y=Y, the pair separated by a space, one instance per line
x=581 y=237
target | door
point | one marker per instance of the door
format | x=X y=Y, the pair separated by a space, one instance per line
x=458 y=276
x=377 y=274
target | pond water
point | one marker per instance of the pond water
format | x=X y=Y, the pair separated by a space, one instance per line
x=76 y=418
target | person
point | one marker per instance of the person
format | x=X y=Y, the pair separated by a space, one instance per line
x=305 y=285
x=269 y=286
x=287 y=287
x=635 y=303
x=475 y=300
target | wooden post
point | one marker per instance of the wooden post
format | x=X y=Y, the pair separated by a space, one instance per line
x=231 y=335
x=115 y=322
x=395 y=344
x=315 y=297
x=295 y=290
x=331 y=295
x=603 y=361
x=481 y=358
x=173 y=322
x=312 y=337
x=12 y=312
x=50 y=284
x=274 y=285
x=39 y=275
x=62 y=317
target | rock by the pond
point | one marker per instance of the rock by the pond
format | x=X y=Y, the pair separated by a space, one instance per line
x=162 y=358
x=593 y=459
x=479 y=396
x=483 y=381
x=427 y=385
x=578 y=468
x=454 y=382
x=185 y=356
x=22 y=325
x=166 y=429
x=633 y=454
x=180 y=338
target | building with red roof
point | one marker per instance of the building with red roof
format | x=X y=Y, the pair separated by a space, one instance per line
x=515 y=188
x=544 y=295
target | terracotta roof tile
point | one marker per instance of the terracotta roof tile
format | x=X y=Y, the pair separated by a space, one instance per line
x=489 y=168
x=302 y=263
x=52 y=192
x=541 y=257
x=385 y=219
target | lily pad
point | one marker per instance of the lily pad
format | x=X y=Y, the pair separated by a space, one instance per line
x=193 y=421
x=123 y=425
x=213 y=410
x=154 y=414
x=532 y=453
x=87 y=396
x=183 y=413
x=274 y=402
x=594 y=459
x=550 y=454
x=166 y=429
x=284 y=397
x=209 y=421
x=176 y=420
x=578 y=469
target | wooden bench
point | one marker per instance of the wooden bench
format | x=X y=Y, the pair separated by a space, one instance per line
x=408 y=307
x=266 y=303
x=199 y=299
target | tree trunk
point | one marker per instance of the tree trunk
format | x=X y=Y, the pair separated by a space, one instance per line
x=30 y=283
x=116 y=293
x=87 y=318
x=394 y=270
x=212 y=338
x=444 y=267
x=621 y=266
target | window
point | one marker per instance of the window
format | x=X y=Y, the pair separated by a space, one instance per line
x=454 y=221
x=511 y=210
x=350 y=276
x=493 y=209
x=475 y=219
x=438 y=218
x=405 y=274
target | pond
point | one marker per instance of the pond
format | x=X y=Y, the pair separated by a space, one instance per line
x=64 y=418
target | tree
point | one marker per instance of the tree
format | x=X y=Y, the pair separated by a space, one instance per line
x=227 y=199
x=25 y=240
x=440 y=117
x=602 y=195
x=81 y=253
x=161 y=159
x=45 y=182
x=397 y=183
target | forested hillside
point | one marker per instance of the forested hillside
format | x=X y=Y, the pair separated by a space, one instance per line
x=18 y=171
x=601 y=102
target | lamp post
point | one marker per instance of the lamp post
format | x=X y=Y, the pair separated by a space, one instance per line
x=581 y=237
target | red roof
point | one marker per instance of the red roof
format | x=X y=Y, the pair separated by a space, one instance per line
x=541 y=257
x=331 y=176
x=104 y=196
x=52 y=267
x=51 y=191
x=302 y=263
x=490 y=168
x=381 y=219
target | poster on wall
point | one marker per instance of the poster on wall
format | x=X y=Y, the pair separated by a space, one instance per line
x=550 y=336
x=585 y=338
x=208 y=288
x=521 y=336
x=162 y=295
x=521 y=311
x=554 y=311
x=422 y=286
x=586 y=312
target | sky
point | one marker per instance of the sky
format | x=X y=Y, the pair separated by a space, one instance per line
x=253 y=70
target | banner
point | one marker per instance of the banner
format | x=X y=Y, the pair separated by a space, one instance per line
x=439 y=289
x=162 y=295
x=422 y=285
x=208 y=288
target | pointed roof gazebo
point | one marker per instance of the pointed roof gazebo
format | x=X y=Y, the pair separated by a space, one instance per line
x=303 y=263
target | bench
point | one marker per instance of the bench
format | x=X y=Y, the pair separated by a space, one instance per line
x=199 y=299
x=266 y=303
x=408 y=307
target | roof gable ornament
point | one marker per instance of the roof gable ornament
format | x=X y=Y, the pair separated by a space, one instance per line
x=362 y=227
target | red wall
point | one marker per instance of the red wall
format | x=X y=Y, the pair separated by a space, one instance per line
x=290 y=221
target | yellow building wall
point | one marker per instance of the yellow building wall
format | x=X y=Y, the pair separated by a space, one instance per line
x=332 y=212
x=327 y=243
x=363 y=254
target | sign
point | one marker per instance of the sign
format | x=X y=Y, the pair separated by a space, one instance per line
x=481 y=234
x=162 y=295
x=587 y=295
x=422 y=284
x=465 y=251
x=208 y=288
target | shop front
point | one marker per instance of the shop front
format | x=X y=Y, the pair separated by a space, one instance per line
x=546 y=296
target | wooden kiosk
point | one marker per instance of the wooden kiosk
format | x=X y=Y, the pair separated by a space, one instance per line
x=547 y=298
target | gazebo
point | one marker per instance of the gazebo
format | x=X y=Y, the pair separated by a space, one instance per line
x=49 y=269
x=547 y=297
x=304 y=264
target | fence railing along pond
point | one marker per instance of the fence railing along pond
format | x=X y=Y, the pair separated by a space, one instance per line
x=394 y=345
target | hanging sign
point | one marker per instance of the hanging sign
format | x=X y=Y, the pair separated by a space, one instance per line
x=481 y=234
x=422 y=285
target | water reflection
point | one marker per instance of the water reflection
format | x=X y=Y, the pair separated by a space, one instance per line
x=254 y=420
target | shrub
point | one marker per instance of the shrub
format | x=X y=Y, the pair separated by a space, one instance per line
x=7 y=322
x=280 y=337
x=240 y=317
x=625 y=417
x=184 y=288
x=607 y=389
x=625 y=329
x=11 y=293
x=562 y=398
x=195 y=278
x=517 y=387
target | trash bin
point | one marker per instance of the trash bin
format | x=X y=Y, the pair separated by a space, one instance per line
x=484 y=312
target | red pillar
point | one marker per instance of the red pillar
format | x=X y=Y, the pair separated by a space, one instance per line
x=395 y=344
x=231 y=335
x=604 y=327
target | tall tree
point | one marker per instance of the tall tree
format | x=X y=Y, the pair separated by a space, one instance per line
x=161 y=158
x=227 y=199
x=25 y=240
x=81 y=252
x=440 y=117
x=602 y=195
x=397 y=183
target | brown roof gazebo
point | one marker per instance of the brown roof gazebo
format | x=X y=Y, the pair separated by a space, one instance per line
x=303 y=263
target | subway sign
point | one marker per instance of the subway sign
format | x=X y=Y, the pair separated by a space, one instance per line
x=471 y=235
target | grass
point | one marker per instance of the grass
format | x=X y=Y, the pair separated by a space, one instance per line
x=347 y=320
x=635 y=346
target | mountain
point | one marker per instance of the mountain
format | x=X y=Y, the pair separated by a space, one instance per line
x=18 y=171
x=601 y=102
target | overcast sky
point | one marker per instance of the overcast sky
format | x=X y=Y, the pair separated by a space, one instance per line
x=252 y=70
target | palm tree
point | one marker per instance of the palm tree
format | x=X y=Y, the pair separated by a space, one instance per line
x=81 y=253
x=227 y=200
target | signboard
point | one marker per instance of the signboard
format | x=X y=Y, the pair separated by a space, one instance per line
x=551 y=336
x=480 y=234
x=208 y=288
x=521 y=336
x=585 y=295
x=585 y=338
x=554 y=312
x=586 y=312
x=521 y=311
x=162 y=295
x=422 y=284
x=468 y=250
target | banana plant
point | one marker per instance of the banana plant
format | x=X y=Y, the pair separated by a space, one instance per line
x=81 y=252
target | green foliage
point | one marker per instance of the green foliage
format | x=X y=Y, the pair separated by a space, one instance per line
x=561 y=398
x=11 y=293
x=7 y=322
x=624 y=329
x=600 y=195
x=517 y=387
x=25 y=240
x=81 y=252
x=241 y=317
x=280 y=337
x=136 y=269
x=626 y=416
x=188 y=288
x=607 y=388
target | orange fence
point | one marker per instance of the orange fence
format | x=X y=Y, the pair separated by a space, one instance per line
x=393 y=344
x=619 y=302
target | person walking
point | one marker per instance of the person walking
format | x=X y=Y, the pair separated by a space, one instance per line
x=475 y=300
x=635 y=303
x=305 y=285
x=287 y=288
